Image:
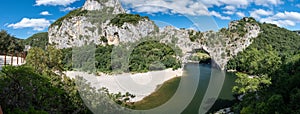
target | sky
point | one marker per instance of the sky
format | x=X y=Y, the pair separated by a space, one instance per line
x=23 y=18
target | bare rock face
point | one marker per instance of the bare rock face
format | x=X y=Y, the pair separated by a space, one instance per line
x=100 y=4
x=91 y=24
x=221 y=45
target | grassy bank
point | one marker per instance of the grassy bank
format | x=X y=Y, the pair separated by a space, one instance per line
x=160 y=96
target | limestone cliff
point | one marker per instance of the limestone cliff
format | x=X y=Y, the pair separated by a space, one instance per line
x=221 y=45
x=92 y=24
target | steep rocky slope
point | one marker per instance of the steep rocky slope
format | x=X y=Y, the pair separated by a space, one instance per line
x=92 y=24
x=221 y=45
x=104 y=22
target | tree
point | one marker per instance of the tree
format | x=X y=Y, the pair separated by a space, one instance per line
x=245 y=84
x=38 y=59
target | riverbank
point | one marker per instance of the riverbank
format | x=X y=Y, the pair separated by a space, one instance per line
x=139 y=84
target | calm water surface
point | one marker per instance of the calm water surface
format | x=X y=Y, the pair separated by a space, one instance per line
x=225 y=98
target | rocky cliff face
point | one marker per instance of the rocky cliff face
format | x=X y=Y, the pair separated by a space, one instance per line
x=92 y=5
x=93 y=23
x=221 y=45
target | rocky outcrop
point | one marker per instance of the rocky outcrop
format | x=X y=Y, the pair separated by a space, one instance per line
x=221 y=45
x=92 y=5
x=95 y=27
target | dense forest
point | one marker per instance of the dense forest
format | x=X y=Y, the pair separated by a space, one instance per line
x=147 y=56
x=10 y=44
x=37 y=40
x=273 y=63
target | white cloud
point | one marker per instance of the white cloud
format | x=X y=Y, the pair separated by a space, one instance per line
x=67 y=9
x=230 y=8
x=297 y=5
x=216 y=14
x=54 y=2
x=258 y=13
x=241 y=3
x=236 y=2
x=151 y=9
x=184 y=7
x=195 y=7
x=229 y=12
x=187 y=7
x=283 y=19
x=268 y=2
x=240 y=14
x=45 y=13
x=36 y=24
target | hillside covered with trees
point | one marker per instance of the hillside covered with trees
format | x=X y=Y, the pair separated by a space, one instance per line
x=37 y=40
x=273 y=63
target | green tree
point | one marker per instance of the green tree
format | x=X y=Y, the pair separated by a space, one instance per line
x=23 y=89
x=246 y=84
x=38 y=59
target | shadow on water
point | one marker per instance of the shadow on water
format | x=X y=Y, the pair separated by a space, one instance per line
x=225 y=99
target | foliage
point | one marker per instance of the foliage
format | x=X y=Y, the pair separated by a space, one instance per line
x=254 y=61
x=67 y=58
x=195 y=35
x=239 y=28
x=245 y=84
x=152 y=52
x=120 y=19
x=24 y=90
x=280 y=97
x=202 y=57
x=42 y=60
x=147 y=56
x=37 y=40
x=274 y=55
x=9 y=44
x=103 y=58
x=273 y=42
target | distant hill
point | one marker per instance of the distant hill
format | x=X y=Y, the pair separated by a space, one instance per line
x=37 y=40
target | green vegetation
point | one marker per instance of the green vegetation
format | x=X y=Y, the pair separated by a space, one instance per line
x=273 y=59
x=23 y=89
x=160 y=96
x=152 y=55
x=244 y=84
x=256 y=62
x=201 y=56
x=9 y=44
x=273 y=47
x=37 y=40
x=35 y=86
x=39 y=86
x=195 y=35
x=120 y=19
x=147 y=56
x=76 y=12
x=240 y=27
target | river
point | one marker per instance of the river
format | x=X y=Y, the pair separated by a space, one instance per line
x=225 y=98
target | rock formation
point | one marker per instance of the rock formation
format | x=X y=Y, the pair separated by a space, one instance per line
x=93 y=23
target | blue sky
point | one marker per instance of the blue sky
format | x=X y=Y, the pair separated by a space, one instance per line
x=23 y=18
